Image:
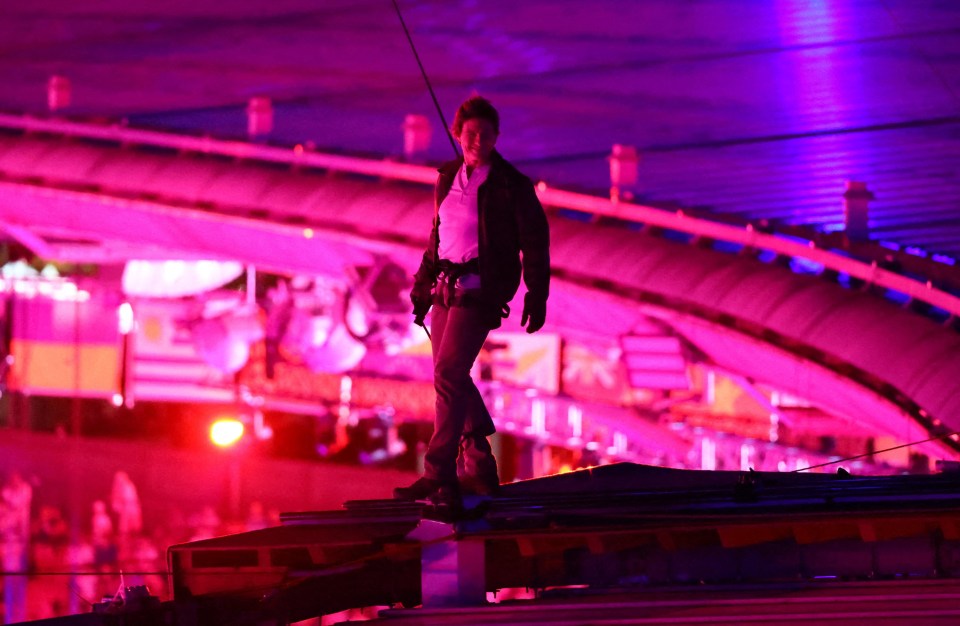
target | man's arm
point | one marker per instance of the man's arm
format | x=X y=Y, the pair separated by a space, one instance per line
x=535 y=247
x=421 y=295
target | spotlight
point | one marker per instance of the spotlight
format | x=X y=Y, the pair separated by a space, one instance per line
x=226 y=432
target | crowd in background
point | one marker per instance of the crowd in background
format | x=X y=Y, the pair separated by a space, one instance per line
x=58 y=562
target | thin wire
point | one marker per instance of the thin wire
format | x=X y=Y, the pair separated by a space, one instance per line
x=426 y=79
x=860 y=456
x=73 y=589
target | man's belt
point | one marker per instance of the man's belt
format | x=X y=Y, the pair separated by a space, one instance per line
x=452 y=271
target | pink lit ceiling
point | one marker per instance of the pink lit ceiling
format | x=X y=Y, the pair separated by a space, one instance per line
x=757 y=108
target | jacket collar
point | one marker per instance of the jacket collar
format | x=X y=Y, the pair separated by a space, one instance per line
x=450 y=168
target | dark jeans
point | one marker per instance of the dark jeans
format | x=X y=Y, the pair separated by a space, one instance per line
x=462 y=422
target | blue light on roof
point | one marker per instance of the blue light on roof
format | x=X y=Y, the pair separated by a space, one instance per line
x=728 y=247
x=800 y=265
x=766 y=256
x=896 y=296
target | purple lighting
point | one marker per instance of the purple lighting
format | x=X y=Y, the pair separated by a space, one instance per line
x=820 y=89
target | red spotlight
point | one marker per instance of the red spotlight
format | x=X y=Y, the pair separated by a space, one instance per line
x=226 y=431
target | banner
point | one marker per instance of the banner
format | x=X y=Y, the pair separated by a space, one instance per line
x=63 y=347
x=522 y=360
x=595 y=373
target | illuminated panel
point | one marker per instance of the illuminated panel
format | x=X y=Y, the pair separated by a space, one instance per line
x=165 y=364
x=594 y=373
x=523 y=360
x=655 y=362
x=64 y=348
x=50 y=368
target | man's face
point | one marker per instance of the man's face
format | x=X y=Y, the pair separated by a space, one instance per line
x=477 y=138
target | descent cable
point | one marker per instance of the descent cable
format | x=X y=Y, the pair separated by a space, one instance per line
x=420 y=321
x=866 y=454
x=426 y=79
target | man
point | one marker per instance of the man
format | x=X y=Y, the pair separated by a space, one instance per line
x=488 y=229
x=15 y=501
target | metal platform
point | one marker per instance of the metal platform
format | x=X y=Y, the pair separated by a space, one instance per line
x=590 y=537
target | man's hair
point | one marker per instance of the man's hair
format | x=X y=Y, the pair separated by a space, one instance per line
x=472 y=108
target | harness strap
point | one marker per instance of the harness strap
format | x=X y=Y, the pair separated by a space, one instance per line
x=453 y=271
x=450 y=272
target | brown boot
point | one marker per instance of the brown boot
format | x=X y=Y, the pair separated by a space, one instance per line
x=488 y=486
x=422 y=489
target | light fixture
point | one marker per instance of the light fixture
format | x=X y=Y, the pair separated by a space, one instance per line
x=176 y=278
x=224 y=341
x=226 y=431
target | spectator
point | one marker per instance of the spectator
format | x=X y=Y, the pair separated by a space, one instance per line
x=48 y=595
x=256 y=517
x=83 y=582
x=51 y=527
x=125 y=503
x=101 y=526
x=142 y=564
x=15 y=500
x=206 y=524
x=17 y=494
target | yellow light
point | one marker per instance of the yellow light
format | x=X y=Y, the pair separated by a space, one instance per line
x=308 y=233
x=226 y=432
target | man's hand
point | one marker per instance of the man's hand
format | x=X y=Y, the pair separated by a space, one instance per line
x=534 y=313
x=422 y=298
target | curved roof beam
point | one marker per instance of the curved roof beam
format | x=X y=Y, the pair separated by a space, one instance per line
x=747 y=236
x=170 y=198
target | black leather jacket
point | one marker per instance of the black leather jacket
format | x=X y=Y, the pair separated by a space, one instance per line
x=511 y=223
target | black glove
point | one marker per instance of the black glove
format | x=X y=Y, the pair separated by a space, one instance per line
x=534 y=312
x=422 y=298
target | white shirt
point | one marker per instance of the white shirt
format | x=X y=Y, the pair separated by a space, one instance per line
x=459 y=221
